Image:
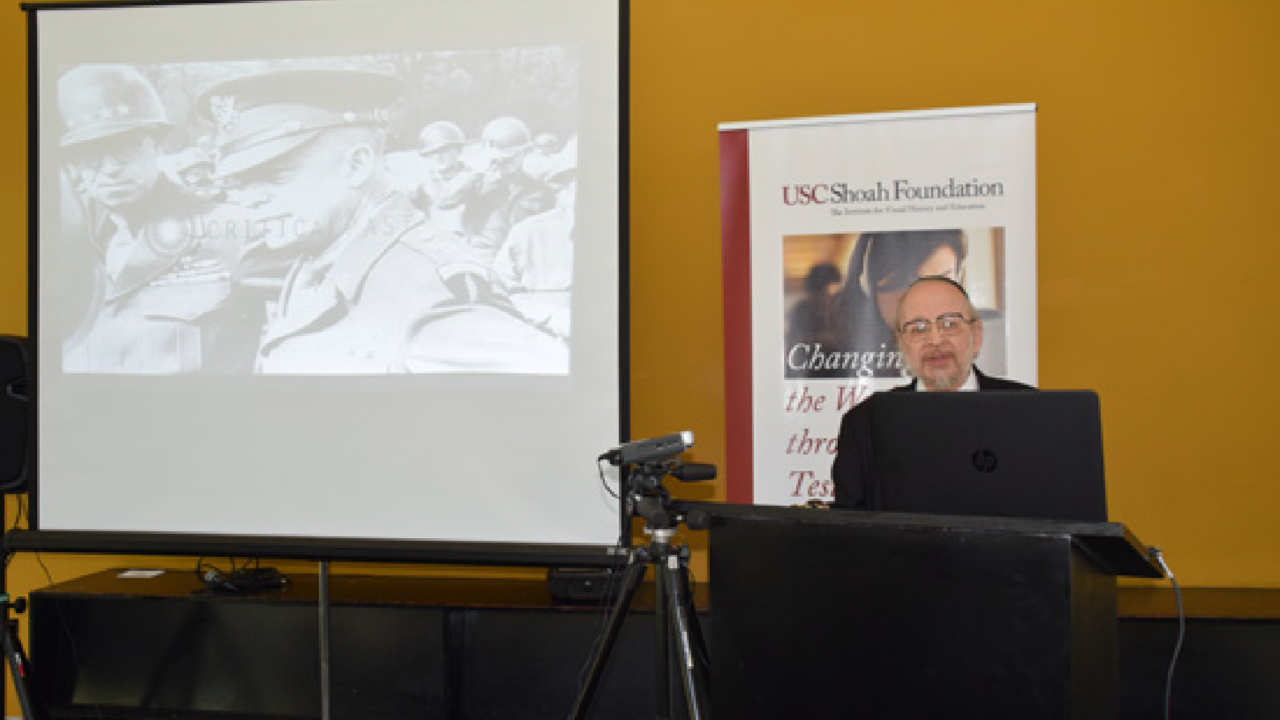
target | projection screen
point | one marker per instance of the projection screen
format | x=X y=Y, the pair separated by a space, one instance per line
x=346 y=269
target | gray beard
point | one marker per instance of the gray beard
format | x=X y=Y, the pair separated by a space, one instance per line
x=938 y=383
x=942 y=386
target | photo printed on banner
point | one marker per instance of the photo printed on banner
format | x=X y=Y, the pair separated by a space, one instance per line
x=842 y=292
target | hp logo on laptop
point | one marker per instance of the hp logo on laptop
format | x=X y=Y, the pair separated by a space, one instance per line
x=985 y=460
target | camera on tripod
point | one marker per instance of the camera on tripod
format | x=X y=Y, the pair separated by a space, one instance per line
x=650 y=461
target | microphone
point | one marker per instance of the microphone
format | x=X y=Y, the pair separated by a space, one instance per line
x=642 y=451
x=693 y=472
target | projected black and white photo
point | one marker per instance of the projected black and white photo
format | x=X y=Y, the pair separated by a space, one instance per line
x=348 y=269
x=361 y=215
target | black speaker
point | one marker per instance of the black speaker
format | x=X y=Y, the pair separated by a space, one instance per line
x=15 y=415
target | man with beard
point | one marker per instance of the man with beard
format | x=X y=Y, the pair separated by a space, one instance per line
x=301 y=158
x=939 y=334
x=154 y=281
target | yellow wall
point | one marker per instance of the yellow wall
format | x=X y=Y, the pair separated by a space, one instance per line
x=1157 y=156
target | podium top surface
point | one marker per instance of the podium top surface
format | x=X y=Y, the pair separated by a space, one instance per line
x=1112 y=546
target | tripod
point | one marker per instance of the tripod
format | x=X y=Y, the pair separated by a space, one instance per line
x=11 y=643
x=675 y=618
x=15 y=656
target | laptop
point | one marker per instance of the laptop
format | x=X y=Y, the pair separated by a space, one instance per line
x=993 y=453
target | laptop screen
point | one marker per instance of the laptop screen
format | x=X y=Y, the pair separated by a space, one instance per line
x=994 y=453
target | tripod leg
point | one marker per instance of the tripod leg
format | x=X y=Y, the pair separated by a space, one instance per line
x=663 y=700
x=698 y=641
x=17 y=660
x=678 y=606
x=631 y=579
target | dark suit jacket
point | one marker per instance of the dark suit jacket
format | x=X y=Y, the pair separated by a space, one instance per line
x=848 y=473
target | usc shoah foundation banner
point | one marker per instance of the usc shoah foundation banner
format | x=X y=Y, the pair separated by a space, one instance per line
x=825 y=222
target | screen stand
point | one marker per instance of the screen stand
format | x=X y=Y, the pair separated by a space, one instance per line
x=326 y=690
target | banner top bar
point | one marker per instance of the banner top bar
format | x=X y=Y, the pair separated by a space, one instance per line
x=879 y=117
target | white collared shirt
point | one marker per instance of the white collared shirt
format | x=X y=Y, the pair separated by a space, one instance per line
x=970 y=383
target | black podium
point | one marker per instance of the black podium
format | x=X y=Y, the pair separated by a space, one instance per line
x=841 y=614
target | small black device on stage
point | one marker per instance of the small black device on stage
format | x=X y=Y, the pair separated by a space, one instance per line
x=581 y=586
x=244 y=580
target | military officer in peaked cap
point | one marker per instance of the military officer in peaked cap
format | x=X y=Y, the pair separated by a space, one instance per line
x=300 y=153
x=156 y=285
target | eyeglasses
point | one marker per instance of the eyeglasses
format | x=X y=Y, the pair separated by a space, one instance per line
x=947 y=324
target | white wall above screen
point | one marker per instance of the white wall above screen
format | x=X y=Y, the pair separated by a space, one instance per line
x=329 y=268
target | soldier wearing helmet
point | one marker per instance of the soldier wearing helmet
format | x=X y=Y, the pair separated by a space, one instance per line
x=447 y=182
x=507 y=193
x=301 y=156
x=157 y=282
x=112 y=118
